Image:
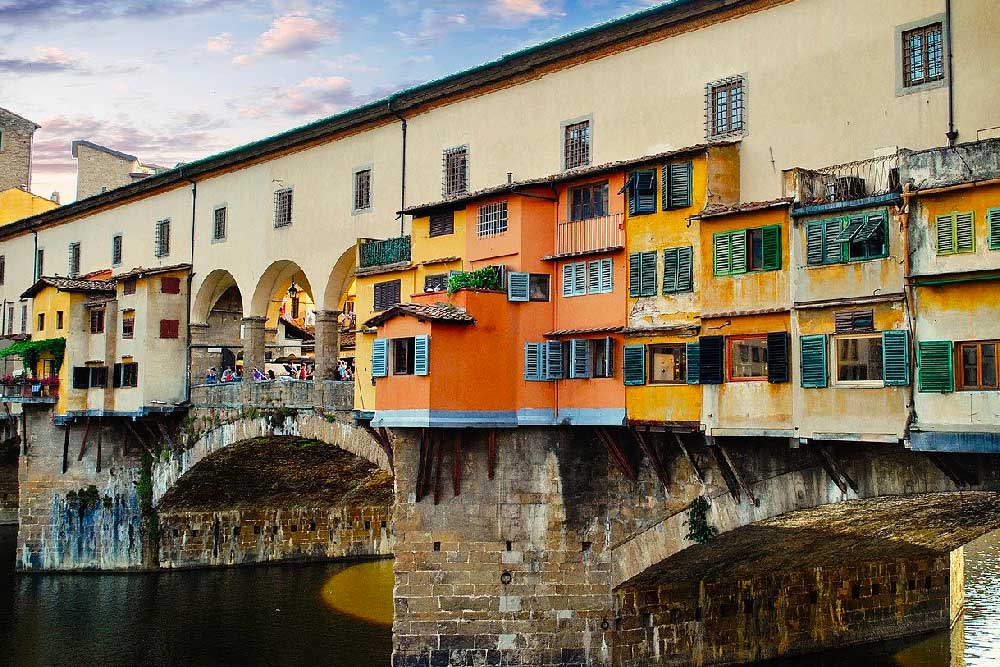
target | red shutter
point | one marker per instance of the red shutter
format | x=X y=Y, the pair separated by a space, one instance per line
x=169 y=328
x=170 y=285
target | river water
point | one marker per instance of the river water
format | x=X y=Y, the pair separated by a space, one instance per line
x=331 y=614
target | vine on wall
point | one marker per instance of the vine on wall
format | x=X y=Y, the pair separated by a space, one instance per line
x=699 y=529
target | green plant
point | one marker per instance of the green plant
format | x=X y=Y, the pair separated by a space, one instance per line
x=487 y=277
x=699 y=530
x=31 y=350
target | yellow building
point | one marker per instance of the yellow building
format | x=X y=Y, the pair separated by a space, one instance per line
x=16 y=204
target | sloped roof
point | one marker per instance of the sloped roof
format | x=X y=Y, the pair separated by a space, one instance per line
x=138 y=272
x=69 y=285
x=433 y=312
x=718 y=210
x=16 y=115
x=103 y=149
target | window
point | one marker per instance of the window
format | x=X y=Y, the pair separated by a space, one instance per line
x=538 y=287
x=442 y=223
x=126 y=375
x=677 y=186
x=523 y=287
x=170 y=285
x=589 y=201
x=724 y=107
x=162 y=239
x=935 y=363
x=436 y=282
x=24 y=318
x=545 y=361
x=574 y=279
x=97 y=321
x=387 y=294
x=859 y=359
x=956 y=233
x=668 y=364
x=677 y=270
x=219 y=219
x=641 y=188
x=39 y=263
x=603 y=350
x=923 y=55
x=746 y=250
x=978 y=363
x=9 y=328
x=747 y=358
x=576 y=145
x=129 y=286
x=283 y=207
x=402 y=356
x=74 y=259
x=642 y=273
x=41 y=321
x=60 y=321
x=128 y=324
x=362 y=189
x=169 y=328
x=600 y=276
x=3 y=268
x=846 y=321
x=456 y=170
x=492 y=219
x=857 y=237
x=87 y=377
x=116 y=250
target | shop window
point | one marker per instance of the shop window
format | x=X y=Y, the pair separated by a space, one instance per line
x=978 y=364
x=668 y=363
x=747 y=358
x=859 y=359
x=97 y=321
x=589 y=201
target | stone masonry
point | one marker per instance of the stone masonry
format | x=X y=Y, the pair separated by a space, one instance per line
x=15 y=150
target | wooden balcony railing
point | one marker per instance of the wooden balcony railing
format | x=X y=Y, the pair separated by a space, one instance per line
x=381 y=253
x=29 y=391
x=575 y=237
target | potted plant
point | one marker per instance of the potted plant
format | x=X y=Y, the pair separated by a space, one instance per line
x=50 y=385
x=26 y=385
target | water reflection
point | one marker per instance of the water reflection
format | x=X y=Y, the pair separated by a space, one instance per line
x=363 y=591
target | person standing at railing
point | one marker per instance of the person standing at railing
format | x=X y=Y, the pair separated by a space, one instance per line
x=211 y=377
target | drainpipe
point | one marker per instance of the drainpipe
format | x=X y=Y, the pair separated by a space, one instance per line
x=952 y=132
x=34 y=263
x=190 y=280
x=402 y=185
x=911 y=306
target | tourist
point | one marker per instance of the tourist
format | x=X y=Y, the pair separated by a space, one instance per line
x=227 y=375
x=257 y=375
x=211 y=377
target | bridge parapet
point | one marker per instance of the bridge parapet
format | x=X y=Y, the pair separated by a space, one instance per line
x=331 y=395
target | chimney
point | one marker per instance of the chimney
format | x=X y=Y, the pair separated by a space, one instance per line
x=55 y=197
x=510 y=177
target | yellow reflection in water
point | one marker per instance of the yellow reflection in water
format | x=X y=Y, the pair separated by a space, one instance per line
x=363 y=591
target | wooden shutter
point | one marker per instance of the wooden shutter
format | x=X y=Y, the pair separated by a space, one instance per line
x=812 y=361
x=533 y=360
x=847 y=321
x=693 y=363
x=814 y=243
x=568 y=273
x=580 y=362
x=771 y=248
x=642 y=192
x=670 y=261
x=677 y=185
x=594 y=277
x=738 y=252
x=685 y=269
x=442 y=224
x=380 y=358
x=993 y=220
x=118 y=375
x=777 y=357
x=99 y=376
x=965 y=232
x=634 y=273
x=580 y=279
x=634 y=365
x=169 y=328
x=647 y=279
x=854 y=225
x=421 y=355
x=721 y=250
x=607 y=271
x=130 y=375
x=833 y=251
x=554 y=360
x=81 y=377
x=517 y=286
x=935 y=366
x=711 y=368
x=170 y=285
x=896 y=358
x=945 y=235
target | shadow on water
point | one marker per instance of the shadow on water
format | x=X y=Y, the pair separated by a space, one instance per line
x=266 y=615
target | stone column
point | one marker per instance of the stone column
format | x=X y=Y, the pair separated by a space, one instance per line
x=253 y=351
x=327 y=351
x=200 y=358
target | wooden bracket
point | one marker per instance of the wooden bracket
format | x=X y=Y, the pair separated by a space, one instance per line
x=439 y=456
x=422 y=464
x=83 y=443
x=456 y=463
x=690 y=459
x=651 y=452
x=951 y=467
x=65 y=465
x=100 y=439
x=492 y=461
x=381 y=437
x=734 y=480
x=616 y=452
x=832 y=468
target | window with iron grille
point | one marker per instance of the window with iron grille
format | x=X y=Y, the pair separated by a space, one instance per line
x=589 y=201
x=219 y=223
x=456 y=170
x=163 y=238
x=387 y=294
x=442 y=224
x=725 y=106
x=492 y=219
x=128 y=324
x=116 y=249
x=74 y=259
x=283 y=207
x=576 y=145
x=923 y=55
x=97 y=321
x=362 y=189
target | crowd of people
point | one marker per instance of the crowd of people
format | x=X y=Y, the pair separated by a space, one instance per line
x=343 y=372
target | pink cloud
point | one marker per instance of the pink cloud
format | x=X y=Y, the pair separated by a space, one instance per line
x=522 y=10
x=220 y=43
x=291 y=34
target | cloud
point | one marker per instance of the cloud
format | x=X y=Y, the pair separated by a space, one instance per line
x=48 y=60
x=18 y=12
x=518 y=11
x=291 y=34
x=432 y=26
x=220 y=43
x=313 y=97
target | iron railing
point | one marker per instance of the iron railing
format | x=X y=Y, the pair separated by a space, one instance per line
x=580 y=236
x=850 y=181
x=381 y=253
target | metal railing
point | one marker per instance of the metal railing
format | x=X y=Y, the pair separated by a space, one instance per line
x=850 y=181
x=389 y=251
x=580 y=236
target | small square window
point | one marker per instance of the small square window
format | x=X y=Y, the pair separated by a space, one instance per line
x=283 y=207
x=923 y=55
x=386 y=295
x=538 y=287
x=362 y=189
x=859 y=360
x=456 y=170
x=576 y=145
x=169 y=328
x=725 y=106
x=442 y=223
x=170 y=285
x=220 y=219
x=748 y=358
x=402 y=356
x=668 y=363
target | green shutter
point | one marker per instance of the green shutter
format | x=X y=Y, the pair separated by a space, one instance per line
x=647 y=281
x=580 y=363
x=517 y=286
x=685 y=275
x=721 y=244
x=607 y=275
x=634 y=273
x=670 y=261
x=812 y=361
x=421 y=355
x=896 y=358
x=993 y=219
x=693 y=363
x=634 y=369
x=935 y=366
x=814 y=242
x=677 y=185
x=833 y=251
x=965 y=232
x=380 y=358
x=945 y=230
x=771 y=248
x=738 y=252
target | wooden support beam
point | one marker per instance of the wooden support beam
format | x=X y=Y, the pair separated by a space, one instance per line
x=649 y=449
x=734 y=480
x=100 y=440
x=138 y=438
x=456 y=463
x=381 y=437
x=24 y=434
x=492 y=461
x=832 y=468
x=616 y=453
x=65 y=465
x=421 y=464
x=439 y=455
x=690 y=459
x=83 y=443
x=951 y=467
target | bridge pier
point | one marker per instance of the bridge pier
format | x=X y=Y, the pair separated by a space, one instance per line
x=254 y=339
x=327 y=345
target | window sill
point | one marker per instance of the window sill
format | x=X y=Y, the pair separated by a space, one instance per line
x=219 y=240
x=760 y=378
x=859 y=385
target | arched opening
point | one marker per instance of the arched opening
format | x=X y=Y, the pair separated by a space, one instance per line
x=217 y=329
x=284 y=298
x=339 y=296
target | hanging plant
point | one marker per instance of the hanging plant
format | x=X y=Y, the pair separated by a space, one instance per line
x=31 y=350
x=487 y=277
x=699 y=530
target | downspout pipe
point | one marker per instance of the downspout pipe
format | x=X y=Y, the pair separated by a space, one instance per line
x=911 y=304
x=952 y=132
x=190 y=281
x=402 y=180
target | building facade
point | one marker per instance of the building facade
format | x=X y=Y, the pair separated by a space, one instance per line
x=16 y=134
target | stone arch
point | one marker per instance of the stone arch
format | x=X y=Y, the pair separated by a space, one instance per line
x=274 y=280
x=339 y=279
x=215 y=284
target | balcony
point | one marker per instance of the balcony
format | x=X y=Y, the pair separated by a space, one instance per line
x=581 y=237
x=872 y=181
x=30 y=391
x=383 y=253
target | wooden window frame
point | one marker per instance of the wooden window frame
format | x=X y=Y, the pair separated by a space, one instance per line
x=97 y=320
x=441 y=223
x=577 y=143
x=651 y=350
x=596 y=189
x=959 y=364
x=928 y=56
x=834 y=360
x=170 y=285
x=169 y=329
x=533 y=280
x=409 y=343
x=727 y=362
x=719 y=121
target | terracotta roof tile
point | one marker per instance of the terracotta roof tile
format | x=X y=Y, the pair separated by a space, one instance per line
x=578 y=332
x=716 y=210
x=435 y=312
x=153 y=270
x=69 y=285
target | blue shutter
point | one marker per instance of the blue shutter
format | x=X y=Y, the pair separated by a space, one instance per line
x=580 y=279
x=380 y=358
x=777 y=357
x=634 y=273
x=517 y=286
x=421 y=355
x=693 y=363
x=935 y=366
x=896 y=358
x=642 y=193
x=554 y=360
x=812 y=361
x=647 y=279
x=670 y=261
x=567 y=280
x=534 y=360
x=607 y=270
x=711 y=357
x=634 y=365
x=579 y=358
x=594 y=277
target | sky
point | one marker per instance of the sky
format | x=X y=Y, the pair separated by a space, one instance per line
x=174 y=80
